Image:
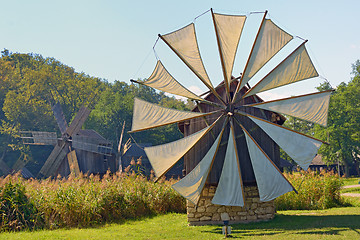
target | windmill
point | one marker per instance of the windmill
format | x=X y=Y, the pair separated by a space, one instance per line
x=232 y=137
x=88 y=143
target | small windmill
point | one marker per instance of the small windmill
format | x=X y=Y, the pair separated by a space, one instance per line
x=72 y=137
x=232 y=137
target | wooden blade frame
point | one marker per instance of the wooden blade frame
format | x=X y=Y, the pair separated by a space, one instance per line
x=73 y=163
x=274 y=124
x=78 y=121
x=54 y=161
x=59 y=117
x=185 y=119
x=203 y=100
x=247 y=63
x=38 y=138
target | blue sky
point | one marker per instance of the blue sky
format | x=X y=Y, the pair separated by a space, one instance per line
x=114 y=39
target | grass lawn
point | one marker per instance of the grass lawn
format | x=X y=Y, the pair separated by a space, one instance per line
x=351 y=181
x=336 y=223
x=351 y=190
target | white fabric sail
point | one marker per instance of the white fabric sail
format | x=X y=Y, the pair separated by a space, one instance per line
x=296 y=67
x=228 y=29
x=310 y=107
x=270 y=40
x=148 y=115
x=162 y=80
x=229 y=191
x=271 y=183
x=163 y=157
x=184 y=43
x=301 y=148
x=192 y=184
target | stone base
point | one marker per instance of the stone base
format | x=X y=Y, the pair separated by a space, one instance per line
x=207 y=213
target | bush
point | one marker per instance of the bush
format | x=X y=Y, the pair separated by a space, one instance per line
x=315 y=191
x=17 y=212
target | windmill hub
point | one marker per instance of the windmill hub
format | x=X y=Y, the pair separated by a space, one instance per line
x=230 y=109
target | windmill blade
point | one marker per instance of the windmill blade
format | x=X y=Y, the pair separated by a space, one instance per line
x=230 y=191
x=296 y=67
x=269 y=41
x=301 y=148
x=90 y=144
x=21 y=162
x=163 y=157
x=228 y=29
x=191 y=186
x=184 y=44
x=54 y=160
x=59 y=117
x=38 y=138
x=148 y=115
x=162 y=80
x=270 y=181
x=73 y=163
x=310 y=107
x=78 y=121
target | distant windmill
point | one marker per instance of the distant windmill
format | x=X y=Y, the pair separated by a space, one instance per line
x=72 y=138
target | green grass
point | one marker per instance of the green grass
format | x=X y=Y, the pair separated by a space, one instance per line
x=335 y=223
x=353 y=201
x=351 y=190
x=351 y=181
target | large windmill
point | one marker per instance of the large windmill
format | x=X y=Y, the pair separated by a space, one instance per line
x=92 y=148
x=232 y=137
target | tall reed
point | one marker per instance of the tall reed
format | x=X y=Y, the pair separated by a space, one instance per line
x=316 y=190
x=87 y=200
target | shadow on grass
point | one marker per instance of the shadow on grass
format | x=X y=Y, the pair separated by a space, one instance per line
x=297 y=224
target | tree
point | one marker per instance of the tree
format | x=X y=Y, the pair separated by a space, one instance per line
x=115 y=106
x=343 y=130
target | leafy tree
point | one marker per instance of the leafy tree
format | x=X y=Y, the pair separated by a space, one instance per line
x=116 y=106
x=343 y=130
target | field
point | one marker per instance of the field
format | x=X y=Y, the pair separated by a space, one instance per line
x=333 y=223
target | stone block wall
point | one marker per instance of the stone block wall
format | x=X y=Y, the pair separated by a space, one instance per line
x=207 y=213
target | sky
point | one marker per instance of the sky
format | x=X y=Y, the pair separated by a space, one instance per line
x=114 y=40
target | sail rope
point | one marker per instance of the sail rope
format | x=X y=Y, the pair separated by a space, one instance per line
x=142 y=64
x=201 y=15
